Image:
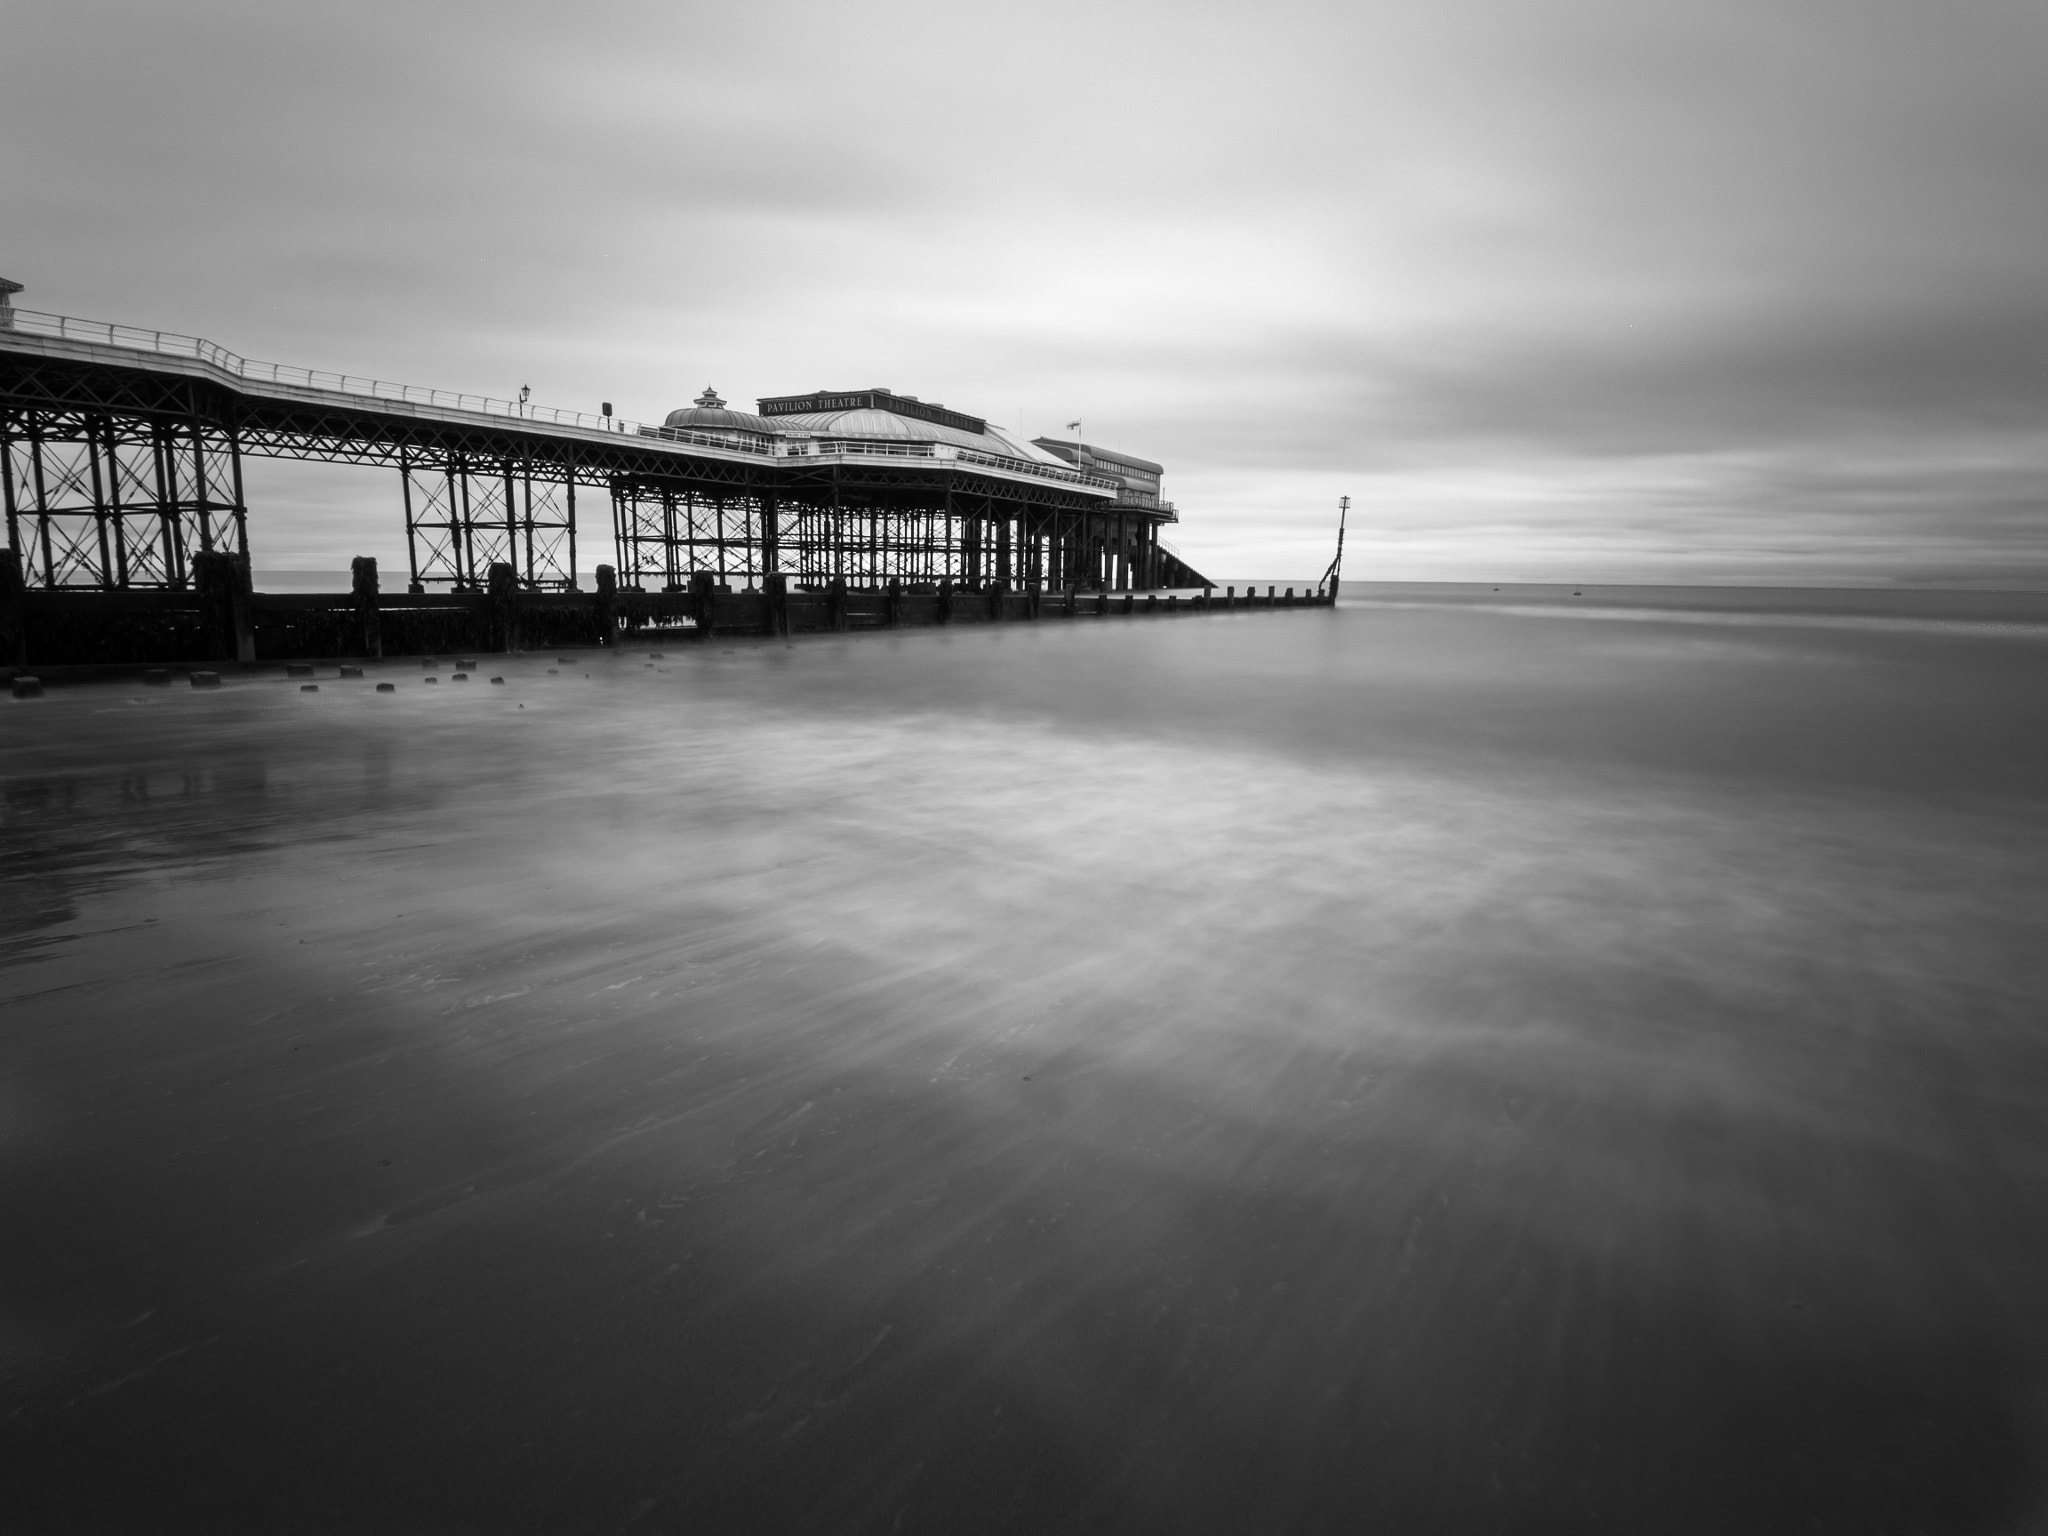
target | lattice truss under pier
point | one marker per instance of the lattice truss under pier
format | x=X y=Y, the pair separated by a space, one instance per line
x=874 y=545
x=465 y=513
x=866 y=532
x=665 y=532
x=105 y=501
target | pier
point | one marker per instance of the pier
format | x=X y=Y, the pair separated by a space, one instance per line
x=128 y=530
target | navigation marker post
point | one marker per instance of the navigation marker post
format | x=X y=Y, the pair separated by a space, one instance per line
x=1330 y=576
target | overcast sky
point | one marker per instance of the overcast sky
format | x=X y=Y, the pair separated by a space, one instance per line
x=1665 y=290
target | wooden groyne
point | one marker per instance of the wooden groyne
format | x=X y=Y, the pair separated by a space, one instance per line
x=221 y=618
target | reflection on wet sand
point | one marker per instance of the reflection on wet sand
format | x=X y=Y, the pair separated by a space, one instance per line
x=1403 y=1068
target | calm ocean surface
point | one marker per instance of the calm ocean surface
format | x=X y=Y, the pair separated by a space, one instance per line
x=1471 y=1061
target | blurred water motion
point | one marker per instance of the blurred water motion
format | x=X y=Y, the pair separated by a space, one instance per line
x=1431 y=1066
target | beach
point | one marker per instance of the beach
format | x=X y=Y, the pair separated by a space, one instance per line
x=1455 y=1062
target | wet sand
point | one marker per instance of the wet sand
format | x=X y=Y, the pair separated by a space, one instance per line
x=1413 y=1068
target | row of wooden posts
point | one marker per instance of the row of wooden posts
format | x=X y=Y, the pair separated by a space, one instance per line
x=778 y=609
x=220 y=617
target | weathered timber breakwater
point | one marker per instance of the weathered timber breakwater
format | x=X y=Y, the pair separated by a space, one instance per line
x=220 y=618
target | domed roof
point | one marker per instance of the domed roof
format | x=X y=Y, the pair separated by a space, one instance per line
x=709 y=414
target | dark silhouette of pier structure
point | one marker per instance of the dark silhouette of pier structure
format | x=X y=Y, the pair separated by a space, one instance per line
x=121 y=453
x=124 y=448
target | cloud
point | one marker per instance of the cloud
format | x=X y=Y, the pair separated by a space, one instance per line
x=1697 y=269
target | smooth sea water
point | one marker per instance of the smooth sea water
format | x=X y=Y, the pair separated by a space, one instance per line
x=1468 y=1061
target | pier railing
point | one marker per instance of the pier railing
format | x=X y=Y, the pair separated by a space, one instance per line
x=172 y=344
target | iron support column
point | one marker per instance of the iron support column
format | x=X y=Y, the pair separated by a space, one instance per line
x=412 y=554
x=512 y=518
x=202 y=497
x=569 y=474
x=458 y=522
x=527 y=475
x=7 y=488
x=235 y=474
x=164 y=456
x=99 y=503
x=35 y=460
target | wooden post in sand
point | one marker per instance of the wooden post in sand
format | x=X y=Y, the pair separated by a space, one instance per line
x=13 y=611
x=504 y=599
x=222 y=582
x=703 y=595
x=363 y=586
x=607 y=605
